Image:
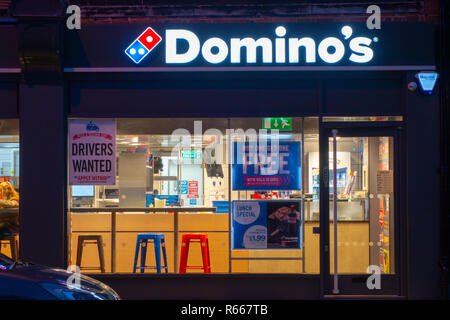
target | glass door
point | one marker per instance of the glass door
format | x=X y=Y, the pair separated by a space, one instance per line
x=359 y=211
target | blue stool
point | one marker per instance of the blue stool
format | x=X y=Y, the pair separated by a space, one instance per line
x=158 y=242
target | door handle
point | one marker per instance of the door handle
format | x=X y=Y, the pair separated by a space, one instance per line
x=316 y=230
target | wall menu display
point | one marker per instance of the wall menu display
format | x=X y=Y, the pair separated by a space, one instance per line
x=257 y=169
x=266 y=224
x=83 y=191
x=92 y=152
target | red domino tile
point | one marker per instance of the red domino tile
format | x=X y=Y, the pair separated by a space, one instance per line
x=149 y=38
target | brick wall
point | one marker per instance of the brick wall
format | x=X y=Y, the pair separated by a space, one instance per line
x=286 y=11
x=4 y=5
x=128 y=11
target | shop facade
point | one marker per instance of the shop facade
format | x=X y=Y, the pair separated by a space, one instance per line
x=358 y=138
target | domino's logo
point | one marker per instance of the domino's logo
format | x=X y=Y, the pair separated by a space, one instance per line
x=142 y=46
x=279 y=50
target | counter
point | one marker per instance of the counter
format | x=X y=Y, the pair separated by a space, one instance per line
x=353 y=258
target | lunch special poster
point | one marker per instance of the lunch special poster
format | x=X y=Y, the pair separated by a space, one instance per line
x=266 y=224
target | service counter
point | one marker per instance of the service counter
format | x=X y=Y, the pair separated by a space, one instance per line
x=9 y=226
x=353 y=243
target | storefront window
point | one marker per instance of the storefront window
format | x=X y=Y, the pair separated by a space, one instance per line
x=195 y=177
x=9 y=187
x=247 y=189
x=365 y=204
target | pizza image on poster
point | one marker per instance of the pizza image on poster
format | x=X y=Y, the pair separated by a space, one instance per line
x=266 y=224
x=283 y=224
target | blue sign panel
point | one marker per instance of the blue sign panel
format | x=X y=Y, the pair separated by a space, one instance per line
x=184 y=186
x=255 y=169
x=266 y=224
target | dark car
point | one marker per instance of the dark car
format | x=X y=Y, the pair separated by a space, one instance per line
x=22 y=280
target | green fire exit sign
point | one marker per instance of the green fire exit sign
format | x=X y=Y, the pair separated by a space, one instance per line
x=277 y=123
x=191 y=154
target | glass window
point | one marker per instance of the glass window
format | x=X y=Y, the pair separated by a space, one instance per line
x=189 y=175
x=9 y=187
x=365 y=204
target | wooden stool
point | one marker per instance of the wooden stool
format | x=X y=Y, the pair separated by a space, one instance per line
x=14 y=248
x=92 y=239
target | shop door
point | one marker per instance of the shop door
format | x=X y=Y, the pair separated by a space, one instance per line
x=360 y=204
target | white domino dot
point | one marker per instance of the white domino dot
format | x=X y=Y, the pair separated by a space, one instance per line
x=141 y=51
x=132 y=51
x=149 y=39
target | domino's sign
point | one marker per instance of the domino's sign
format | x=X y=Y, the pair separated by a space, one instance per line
x=251 y=46
x=276 y=48
x=143 y=44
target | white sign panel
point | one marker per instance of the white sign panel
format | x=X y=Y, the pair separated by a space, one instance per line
x=385 y=181
x=92 y=152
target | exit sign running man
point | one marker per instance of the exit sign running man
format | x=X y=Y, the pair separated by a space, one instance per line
x=284 y=124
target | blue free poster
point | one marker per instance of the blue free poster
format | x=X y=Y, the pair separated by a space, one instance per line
x=266 y=224
x=270 y=173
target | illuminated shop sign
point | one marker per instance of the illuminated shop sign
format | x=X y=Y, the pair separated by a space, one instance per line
x=250 y=46
x=143 y=44
x=279 y=47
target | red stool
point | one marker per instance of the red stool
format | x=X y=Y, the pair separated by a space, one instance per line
x=186 y=239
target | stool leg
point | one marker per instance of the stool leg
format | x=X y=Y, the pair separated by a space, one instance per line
x=209 y=259
x=136 y=255
x=204 y=246
x=143 y=254
x=157 y=246
x=12 y=247
x=17 y=247
x=79 y=251
x=100 y=255
x=163 y=245
x=184 y=255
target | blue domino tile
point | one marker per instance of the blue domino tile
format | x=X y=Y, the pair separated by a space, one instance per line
x=136 y=51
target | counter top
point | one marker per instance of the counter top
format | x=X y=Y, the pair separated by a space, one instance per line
x=9 y=210
x=160 y=209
